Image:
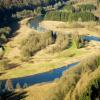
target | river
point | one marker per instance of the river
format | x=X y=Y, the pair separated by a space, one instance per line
x=45 y=76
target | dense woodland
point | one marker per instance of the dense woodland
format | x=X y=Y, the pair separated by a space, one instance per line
x=70 y=13
x=13 y=6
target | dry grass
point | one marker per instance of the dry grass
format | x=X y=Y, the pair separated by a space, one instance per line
x=38 y=92
x=43 y=60
x=83 y=85
x=82 y=28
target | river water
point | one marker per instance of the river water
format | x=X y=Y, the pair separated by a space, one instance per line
x=45 y=76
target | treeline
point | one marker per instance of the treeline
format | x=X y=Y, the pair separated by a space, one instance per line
x=68 y=16
x=29 y=13
x=79 y=83
x=19 y=3
x=62 y=42
x=9 y=7
x=82 y=12
x=87 y=7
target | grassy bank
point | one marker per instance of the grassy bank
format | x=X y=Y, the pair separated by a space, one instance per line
x=42 y=61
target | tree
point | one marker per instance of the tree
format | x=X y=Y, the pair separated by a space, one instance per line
x=75 y=40
x=25 y=85
x=18 y=87
x=9 y=85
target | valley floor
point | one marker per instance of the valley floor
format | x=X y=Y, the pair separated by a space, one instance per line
x=44 y=61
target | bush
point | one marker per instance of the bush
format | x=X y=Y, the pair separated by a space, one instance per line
x=84 y=16
x=6 y=31
x=68 y=16
x=62 y=43
x=35 y=42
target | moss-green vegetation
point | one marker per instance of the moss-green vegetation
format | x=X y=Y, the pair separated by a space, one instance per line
x=4 y=34
x=23 y=3
x=77 y=41
x=81 y=12
x=62 y=42
x=67 y=16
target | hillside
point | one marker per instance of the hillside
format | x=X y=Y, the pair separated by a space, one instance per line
x=49 y=50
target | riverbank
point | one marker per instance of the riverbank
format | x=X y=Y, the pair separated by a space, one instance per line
x=37 y=92
x=84 y=28
x=42 y=61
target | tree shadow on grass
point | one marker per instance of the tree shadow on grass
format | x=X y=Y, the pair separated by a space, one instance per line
x=13 y=95
x=12 y=65
x=2 y=73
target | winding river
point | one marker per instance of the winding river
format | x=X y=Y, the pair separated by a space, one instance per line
x=40 y=78
x=45 y=76
x=34 y=23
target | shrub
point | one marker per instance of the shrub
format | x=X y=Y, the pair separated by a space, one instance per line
x=69 y=8
x=62 y=42
x=69 y=16
x=77 y=41
x=6 y=31
x=35 y=42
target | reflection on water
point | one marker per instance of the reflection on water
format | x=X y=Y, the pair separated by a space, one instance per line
x=34 y=23
x=91 y=38
x=46 y=76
